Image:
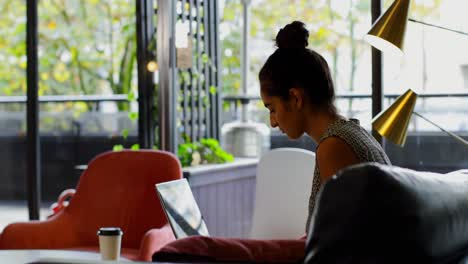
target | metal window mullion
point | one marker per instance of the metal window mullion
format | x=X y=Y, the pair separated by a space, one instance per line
x=145 y=29
x=184 y=87
x=209 y=49
x=377 y=74
x=214 y=69
x=33 y=181
x=192 y=88
x=219 y=82
x=199 y=70
x=167 y=75
x=206 y=46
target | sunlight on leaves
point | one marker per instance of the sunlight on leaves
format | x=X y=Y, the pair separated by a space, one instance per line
x=135 y=147
x=125 y=133
x=117 y=148
x=79 y=108
x=42 y=89
x=60 y=73
x=74 y=53
x=133 y=116
x=206 y=100
x=213 y=90
x=44 y=76
x=205 y=58
x=52 y=25
x=23 y=64
x=131 y=96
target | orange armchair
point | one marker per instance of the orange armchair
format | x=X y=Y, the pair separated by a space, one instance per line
x=117 y=189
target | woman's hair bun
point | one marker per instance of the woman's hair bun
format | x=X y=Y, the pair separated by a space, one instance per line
x=293 y=36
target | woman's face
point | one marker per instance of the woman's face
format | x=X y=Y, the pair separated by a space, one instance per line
x=285 y=114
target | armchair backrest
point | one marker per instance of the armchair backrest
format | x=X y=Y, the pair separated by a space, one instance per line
x=284 y=181
x=118 y=189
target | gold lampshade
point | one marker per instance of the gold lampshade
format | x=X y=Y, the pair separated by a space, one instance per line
x=388 y=32
x=393 y=122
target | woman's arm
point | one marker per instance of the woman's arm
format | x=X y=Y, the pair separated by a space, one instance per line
x=333 y=155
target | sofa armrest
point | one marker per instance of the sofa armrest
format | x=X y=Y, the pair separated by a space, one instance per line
x=52 y=233
x=154 y=240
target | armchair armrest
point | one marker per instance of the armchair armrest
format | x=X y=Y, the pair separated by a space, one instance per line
x=62 y=201
x=154 y=240
x=52 y=233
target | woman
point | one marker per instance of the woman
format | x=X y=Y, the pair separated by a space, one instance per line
x=297 y=88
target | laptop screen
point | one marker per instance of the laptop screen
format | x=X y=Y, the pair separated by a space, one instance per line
x=181 y=209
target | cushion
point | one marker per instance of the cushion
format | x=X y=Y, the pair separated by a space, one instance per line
x=377 y=213
x=216 y=249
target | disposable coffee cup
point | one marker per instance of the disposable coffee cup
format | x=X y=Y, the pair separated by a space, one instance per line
x=110 y=239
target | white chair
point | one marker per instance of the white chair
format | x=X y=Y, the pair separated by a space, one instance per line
x=284 y=182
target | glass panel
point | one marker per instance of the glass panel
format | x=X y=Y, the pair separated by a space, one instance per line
x=87 y=71
x=434 y=64
x=13 y=206
x=336 y=28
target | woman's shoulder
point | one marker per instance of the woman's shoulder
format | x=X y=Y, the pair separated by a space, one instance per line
x=343 y=128
x=333 y=154
x=352 y=133
x=357 y=138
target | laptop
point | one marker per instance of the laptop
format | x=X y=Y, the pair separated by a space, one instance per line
x=181 y=209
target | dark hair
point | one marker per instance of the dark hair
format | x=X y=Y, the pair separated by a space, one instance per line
x=294 y=65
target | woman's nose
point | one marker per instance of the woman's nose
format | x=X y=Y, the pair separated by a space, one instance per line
x=273 y=122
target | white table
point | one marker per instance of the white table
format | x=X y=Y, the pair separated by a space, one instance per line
x=53 y=256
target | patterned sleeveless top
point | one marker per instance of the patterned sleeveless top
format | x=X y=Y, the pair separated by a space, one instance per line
x=366 y=148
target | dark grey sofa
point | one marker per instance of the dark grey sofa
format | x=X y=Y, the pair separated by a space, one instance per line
x=372 y=213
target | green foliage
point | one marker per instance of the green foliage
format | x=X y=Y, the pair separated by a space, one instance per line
x=206 y=151
x=213 y=90
x=118 y=148
x=205 y=100
x=131 y=96
x=205 y=58
x=86 y=47
x=135 y=147
x=184 y=77
x=133 y=116
x=125 y=133
x=331 y=25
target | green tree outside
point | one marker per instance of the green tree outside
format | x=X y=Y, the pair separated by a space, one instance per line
x=85 y=47
x=332 y=27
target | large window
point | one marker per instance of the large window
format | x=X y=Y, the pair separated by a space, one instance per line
x=336 y=29
x=434 y=64
x=12 y=112
x=87 y=89
x=87 y=66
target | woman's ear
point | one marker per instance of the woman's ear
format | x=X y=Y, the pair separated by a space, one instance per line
x=296 y=96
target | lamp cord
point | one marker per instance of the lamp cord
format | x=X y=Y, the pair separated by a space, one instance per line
x=436 y=26
x=464 y=142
